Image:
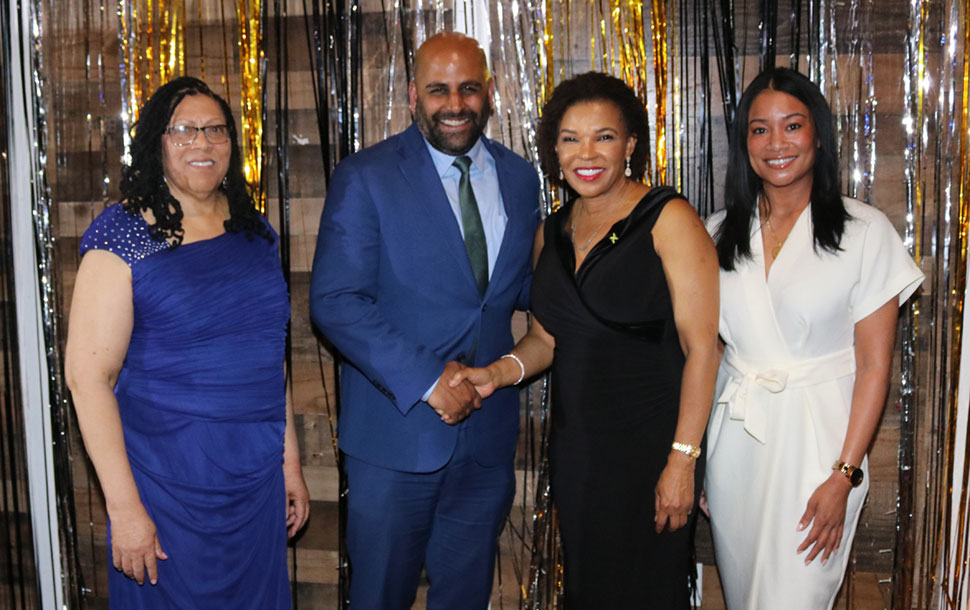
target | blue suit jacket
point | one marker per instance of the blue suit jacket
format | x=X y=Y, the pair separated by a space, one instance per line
x=393 y=290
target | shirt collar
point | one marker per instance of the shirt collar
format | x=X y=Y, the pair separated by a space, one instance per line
x=443 y=162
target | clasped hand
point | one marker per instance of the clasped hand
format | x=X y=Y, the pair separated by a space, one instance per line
x=454 y=402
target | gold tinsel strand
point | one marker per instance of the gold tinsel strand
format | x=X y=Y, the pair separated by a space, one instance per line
x=144 y=24
x=614 y=51
x=171 y=47
x=676 y=179
x=128 y=92
x=146 y=54
x=658 y=24
x=226 y=55
x=604 y=57
x=628 y=32
x=547 y=52
x=147 y=23
x=547 y=65
x=201 y=32
x=920 y=133
x=624 y=54
x=248 y=14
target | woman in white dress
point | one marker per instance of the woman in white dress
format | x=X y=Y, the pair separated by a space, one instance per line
x=811 y=283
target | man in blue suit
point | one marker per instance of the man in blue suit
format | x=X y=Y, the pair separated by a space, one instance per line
x=422 y=257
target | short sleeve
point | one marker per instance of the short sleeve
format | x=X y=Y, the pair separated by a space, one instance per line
x=713 y=222
x=887 y=269
x=122 y=234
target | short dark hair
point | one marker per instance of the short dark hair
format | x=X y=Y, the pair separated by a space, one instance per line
x=742 y=185
x=143 y=184
x=592 y=87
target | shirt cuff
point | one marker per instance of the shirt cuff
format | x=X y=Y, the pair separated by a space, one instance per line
x=427 y=394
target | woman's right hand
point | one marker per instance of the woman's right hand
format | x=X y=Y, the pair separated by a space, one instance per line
x=702 y=504
x=102 y=316
x=485 y=379
x=135 y=548
x=530 y=356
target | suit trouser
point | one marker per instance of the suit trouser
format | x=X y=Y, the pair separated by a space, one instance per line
x=448 y=520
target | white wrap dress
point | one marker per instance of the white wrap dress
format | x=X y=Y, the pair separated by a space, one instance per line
x=784 y=392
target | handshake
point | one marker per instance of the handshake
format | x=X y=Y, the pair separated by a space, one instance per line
x=459 y=391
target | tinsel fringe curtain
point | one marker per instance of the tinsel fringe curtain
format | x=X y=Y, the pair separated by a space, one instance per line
x=895 y=75
x=17 y=555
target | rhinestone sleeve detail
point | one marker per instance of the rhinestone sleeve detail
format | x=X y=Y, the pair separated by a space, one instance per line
x=121 y=233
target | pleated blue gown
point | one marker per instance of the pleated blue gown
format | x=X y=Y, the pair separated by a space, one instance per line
x=202 y=404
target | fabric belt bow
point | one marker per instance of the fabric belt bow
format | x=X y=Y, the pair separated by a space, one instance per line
x=747 y=380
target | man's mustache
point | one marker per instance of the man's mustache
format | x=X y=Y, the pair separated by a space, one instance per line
x=465 y=114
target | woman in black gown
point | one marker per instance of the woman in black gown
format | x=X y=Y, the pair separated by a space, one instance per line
x=625 y=307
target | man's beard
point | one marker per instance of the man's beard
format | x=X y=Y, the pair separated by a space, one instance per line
x=457 y=143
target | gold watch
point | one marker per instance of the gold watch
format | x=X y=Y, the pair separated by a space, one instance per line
x=853 y=473
x=692 y=451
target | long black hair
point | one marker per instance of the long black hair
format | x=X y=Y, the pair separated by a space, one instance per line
x=742 y=185
x=143 y=186
x=591 y=87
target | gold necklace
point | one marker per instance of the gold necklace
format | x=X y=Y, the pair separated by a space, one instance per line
x=572 y=231
x=779 y=242
x=767 y=216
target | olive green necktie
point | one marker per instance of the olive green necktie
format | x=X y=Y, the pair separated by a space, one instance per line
x=471 y=222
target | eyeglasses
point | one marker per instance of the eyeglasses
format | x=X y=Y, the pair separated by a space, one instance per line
x=184 y=135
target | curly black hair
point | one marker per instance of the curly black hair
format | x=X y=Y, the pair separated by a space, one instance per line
x=592 y=87
x=742 y=185
x=143 y=186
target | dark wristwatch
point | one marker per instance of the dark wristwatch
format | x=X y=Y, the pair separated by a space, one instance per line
x=854 y=474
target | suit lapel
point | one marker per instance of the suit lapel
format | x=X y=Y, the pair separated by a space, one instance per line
x=514 y=224
x=430 y=201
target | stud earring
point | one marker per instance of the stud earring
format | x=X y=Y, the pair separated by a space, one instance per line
x=628 y=172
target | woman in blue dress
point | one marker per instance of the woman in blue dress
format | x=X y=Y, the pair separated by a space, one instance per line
x=175 y=364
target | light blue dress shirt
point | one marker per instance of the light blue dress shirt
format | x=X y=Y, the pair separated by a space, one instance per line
x=484 y=178
x=491 y=208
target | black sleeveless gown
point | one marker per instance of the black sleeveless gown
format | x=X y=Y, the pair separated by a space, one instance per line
x=616 y=377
